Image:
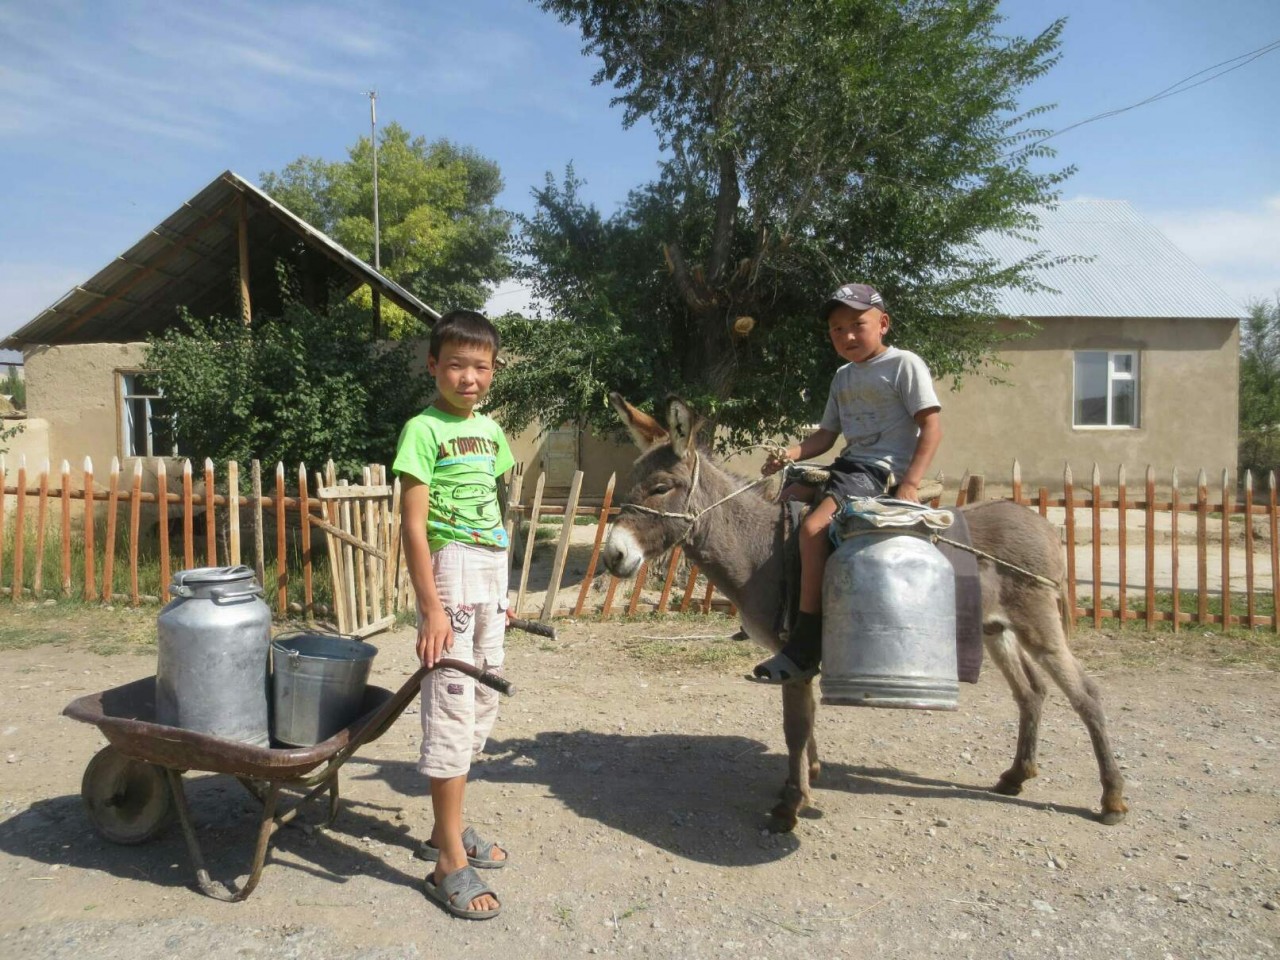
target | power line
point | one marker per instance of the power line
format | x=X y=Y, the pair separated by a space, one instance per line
x=1176 y=88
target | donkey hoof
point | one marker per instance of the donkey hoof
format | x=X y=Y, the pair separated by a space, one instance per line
x=1112 y=817
x=815 y=771
x=782 y=818
x=1008 y=786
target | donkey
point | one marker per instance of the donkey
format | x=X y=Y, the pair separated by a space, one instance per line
x=681 y=495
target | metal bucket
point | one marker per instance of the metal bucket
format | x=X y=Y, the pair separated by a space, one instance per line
x=888 y=621
x=212 y=659
x=318 y=683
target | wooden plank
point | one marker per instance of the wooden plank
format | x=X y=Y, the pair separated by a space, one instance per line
x=689 y=586
x=595 y=548
x=395 y=552
x=66 y=531
x=304 y=509
x=3 y=510
x=109 y=547
x=233 y=513
x=1122 y=534
x=282 y=550
x=1273 y=529
x=1151 y=547
x=135 y=510
x=1173 y=550
x=354 y=492
x=1068 y=500
x=672 y=564
x=512 y=510
x=1202 y=538
x=1251 y=611
x=562 y=548
x=1228 y=495
x=19 y=531
x=1095 y=510
x=612 y=589
x=637 y=588
x=1043 y=497
x=1017 y=482
x=529 y=539
x=376 y=626
x=42 y=520
x=335 y=560
x=707 y=597
x=188 y=518
x=89 y=524
x=373 y=572
x=962 y=494
x=210 y=518
x=255 y=520
x=355 y=562
x=162 y=515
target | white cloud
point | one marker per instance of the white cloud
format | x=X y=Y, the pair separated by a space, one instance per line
x=1239 y=248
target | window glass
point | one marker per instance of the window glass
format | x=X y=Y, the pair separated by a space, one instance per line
x=146 y=428
x=1124 y=403
x=1091 y=388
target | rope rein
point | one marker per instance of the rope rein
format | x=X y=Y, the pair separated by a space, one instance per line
x=692 y=518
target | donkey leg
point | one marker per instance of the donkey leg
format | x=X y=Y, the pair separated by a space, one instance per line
x=1043 y=637
x=797 y=727
x=1028 y=693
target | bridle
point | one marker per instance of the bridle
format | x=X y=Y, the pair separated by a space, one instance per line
x=691 y=518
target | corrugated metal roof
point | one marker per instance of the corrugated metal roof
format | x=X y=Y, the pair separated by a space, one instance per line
x=1133 y=270
x=191 y=259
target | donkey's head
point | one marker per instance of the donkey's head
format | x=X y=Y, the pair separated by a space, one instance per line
x=662 y=480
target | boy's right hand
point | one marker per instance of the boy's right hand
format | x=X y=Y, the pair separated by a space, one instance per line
x=775 y=461
x=435 y=635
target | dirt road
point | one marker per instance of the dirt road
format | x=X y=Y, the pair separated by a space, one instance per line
x=629 y=779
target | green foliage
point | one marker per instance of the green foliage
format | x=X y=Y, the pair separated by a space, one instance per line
x=806 y=144
x=1260 y=388
x=303 y=387
x=442 y=237
x=15 y=387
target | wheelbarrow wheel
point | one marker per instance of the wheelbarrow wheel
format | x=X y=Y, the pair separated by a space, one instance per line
x=128 y=801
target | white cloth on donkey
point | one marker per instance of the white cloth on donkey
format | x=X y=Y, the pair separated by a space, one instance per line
x=884 y=512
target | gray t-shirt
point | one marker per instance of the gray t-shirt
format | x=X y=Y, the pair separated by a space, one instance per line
x=873 y=405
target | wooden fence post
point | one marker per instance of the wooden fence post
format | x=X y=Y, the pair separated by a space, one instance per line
x=1095 y=502
x=87 y=520
x=595 y=549
x=135 y=508
x=1228 y=508
x=1251 y=610
x=1122 y=603
x=42 y=519
x=1151 y=547
x=1175 y=506
x=19 y=530
x=255 y=518
x=562 y=548
x=1069 y=506
x=109 y=548
x=233 y=513
x=531 y=535
x=188 y=518
x=66 y=530
x=1017 y=482
x=304 y=513
x=162 y=510
x=210 y=517
x=282 y=569
x=1202 y=560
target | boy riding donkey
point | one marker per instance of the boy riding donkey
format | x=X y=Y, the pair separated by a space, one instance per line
x=883 y=403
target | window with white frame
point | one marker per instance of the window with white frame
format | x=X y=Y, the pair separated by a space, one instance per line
x=146 y=423
x=1106 y=388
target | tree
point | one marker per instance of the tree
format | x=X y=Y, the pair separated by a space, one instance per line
x=1260 y=387
x=805 y=144
x=442 y=236
x=305 y=386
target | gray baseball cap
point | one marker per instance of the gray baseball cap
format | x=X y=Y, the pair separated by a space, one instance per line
x=859 y=296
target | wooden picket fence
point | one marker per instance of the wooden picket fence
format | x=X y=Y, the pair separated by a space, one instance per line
x=367 y=583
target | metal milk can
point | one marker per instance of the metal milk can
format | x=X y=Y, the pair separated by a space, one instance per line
x=888 y=620
x=214 y=649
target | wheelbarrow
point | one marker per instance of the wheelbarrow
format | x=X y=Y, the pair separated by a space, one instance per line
x=132 y=787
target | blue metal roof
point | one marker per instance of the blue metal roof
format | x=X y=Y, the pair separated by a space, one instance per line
x=1133 y=270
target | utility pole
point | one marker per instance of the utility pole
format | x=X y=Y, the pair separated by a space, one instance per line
x=377 y=240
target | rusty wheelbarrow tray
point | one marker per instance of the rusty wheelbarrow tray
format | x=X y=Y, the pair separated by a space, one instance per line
x=132 y=787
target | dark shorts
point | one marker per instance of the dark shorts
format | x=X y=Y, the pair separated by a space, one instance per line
x=850 y=479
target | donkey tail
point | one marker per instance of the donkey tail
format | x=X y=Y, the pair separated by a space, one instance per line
x=1064 y=609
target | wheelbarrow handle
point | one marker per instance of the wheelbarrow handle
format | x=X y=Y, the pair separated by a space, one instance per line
x=501 y=684
x=533 y=626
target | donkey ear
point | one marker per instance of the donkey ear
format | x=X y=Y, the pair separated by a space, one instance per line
x=682 y=425
x=645 y=431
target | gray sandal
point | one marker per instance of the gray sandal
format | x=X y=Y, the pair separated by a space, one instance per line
x=780 y=669
x=484 y=850
x=456 y=891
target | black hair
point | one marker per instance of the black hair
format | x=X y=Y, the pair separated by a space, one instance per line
x=466 y=327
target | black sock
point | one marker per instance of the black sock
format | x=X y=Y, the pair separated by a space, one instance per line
x=804 y=646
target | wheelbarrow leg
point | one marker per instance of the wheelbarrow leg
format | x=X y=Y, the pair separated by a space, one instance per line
x=208 y=886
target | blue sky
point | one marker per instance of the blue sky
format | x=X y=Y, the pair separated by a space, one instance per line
x=113 y=112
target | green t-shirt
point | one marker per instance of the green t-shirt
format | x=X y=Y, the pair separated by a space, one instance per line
x=460 y=459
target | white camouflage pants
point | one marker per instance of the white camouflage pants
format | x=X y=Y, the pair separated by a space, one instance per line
x=458 y=713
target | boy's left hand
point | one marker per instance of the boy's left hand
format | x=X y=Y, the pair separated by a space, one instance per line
x=908 y=491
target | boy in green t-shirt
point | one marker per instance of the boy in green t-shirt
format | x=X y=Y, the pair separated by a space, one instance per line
x=449 y=458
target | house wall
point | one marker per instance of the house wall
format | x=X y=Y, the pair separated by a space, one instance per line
x=1188 y=388
x=72 y=388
